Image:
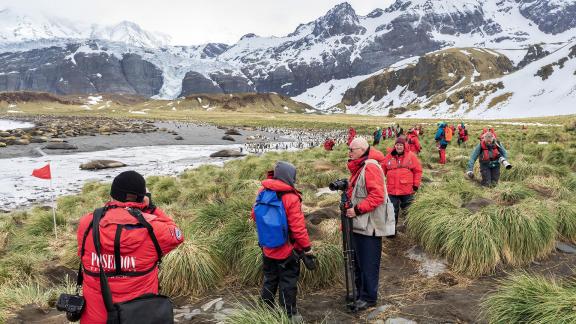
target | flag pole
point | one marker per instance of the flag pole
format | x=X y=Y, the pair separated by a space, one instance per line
x=53 y=209
x=53 y=206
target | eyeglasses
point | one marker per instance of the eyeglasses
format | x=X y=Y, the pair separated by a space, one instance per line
x=352 y=149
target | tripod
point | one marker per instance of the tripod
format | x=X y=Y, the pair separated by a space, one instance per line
x=349 y=256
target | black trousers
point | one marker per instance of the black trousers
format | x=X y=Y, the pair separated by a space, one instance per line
x=490 y=176
x=368 y=254
x=400 y=202
x=281 y=274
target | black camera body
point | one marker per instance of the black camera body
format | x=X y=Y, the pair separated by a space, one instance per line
x=73 y=305
x=340 y=184
x=309 y=260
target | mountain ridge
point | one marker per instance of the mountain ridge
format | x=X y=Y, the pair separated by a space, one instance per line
x=339 y=45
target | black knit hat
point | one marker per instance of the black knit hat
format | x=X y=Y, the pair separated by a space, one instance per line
x=128 y=182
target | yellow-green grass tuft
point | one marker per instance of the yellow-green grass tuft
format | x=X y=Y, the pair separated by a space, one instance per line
x=525 y=298
x=193 y=268
x=566 y=211
x=256 y=312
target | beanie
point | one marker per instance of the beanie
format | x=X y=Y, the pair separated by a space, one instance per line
x=285 y=172
x=128 y=182
x=400 y=140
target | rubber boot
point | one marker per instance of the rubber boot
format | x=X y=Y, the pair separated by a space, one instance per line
x=442 y=156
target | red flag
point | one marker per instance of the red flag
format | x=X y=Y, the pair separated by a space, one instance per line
x=43 y=172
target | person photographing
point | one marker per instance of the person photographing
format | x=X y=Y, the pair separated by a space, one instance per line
x=366 y=195
x=120 y=248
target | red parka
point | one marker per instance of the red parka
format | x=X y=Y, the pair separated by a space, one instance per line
x=329 y=144
x=403 y=172
x=137 y=254
x=374 y=181
x=413 y=143
x=351 y=135
x=298 y=235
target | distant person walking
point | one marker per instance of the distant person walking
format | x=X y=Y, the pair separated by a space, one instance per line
x=412 y=142
x=377 y=136
x=443 y=137
x=462 y=134
x=329 y=144
x=489 y=151
x=351 y=135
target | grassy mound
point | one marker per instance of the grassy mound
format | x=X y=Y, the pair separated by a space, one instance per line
x=525 y=298
x=479 y=229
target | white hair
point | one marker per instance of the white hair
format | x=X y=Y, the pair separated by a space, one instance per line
x=488 y=136
x=360 y=142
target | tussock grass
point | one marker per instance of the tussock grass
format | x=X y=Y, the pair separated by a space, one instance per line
x=165 y=189
x=530 y=231
x=473 y=242
x=42 y=222
x=431 y=217
x=250 y=263
x=525 y=298
x=26 y=290
x=520 y=171
x=193 y=268
x=566 y=211
x=255 y=312
x=512 y=193
x=329 y=267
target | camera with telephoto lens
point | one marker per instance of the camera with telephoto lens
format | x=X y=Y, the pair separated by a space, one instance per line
x=505 y=163
x=340 y=184
x=73 y=305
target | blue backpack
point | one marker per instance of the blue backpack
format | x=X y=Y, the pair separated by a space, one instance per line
x=271 y=223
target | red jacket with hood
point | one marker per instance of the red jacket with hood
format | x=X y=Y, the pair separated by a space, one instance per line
x=413 y=143
x=403 y=172
x=374 y=181
x=137 y=254
x=298 y=235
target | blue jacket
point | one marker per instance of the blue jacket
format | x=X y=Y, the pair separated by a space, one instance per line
x=478 y=150
x=440 y=135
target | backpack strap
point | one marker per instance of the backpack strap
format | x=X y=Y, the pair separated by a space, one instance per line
x=80 y=277
x=138 y=214
x=104 y=287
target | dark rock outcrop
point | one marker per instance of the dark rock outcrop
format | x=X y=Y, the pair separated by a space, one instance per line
x=535 y=52
x=552 y=17
x=62 y=71
x=433 y=74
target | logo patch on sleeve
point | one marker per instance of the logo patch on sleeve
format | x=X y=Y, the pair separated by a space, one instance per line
x=178 y=234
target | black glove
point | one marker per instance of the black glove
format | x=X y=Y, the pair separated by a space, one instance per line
x=415 y=188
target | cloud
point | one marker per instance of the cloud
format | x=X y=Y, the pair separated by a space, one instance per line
x=198 y=21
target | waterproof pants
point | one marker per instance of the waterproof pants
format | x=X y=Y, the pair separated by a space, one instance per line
x=368 y=253
x=490 y=176
x=442 y=153
x=281 y=274
x=400 y=202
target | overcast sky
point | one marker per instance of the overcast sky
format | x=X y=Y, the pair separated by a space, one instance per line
x=197 y=21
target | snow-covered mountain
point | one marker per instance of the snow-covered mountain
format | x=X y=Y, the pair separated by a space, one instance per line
x=316 y=63
x=17 y=26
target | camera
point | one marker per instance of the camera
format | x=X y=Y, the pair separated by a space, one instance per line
x=505 y=163
x=308 y=259
x=73 y=305
x=340 y=184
